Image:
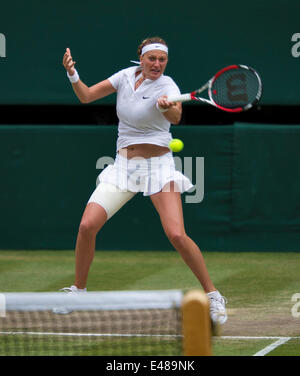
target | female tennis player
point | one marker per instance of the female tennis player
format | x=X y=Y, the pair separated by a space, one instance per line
x=143 y=163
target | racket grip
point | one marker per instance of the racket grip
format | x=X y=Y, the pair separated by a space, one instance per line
x=179 y=98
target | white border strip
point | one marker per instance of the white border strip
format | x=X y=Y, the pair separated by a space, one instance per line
x=256 y=337
x=271 y=347
x=89 y=334
x=145 y=335
x=280 y=341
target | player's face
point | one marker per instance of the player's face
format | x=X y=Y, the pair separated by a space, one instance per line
x=154 y=63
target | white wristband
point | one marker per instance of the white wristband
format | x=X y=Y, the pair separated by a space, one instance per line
x=161 y=109
x=73 y=79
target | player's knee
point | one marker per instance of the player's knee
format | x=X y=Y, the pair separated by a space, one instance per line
x=177 y=238
x=87 y=228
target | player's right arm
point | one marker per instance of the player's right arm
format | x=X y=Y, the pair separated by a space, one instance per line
x=84 y=93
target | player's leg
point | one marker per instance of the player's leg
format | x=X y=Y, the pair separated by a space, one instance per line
x=105 y=201
x=169 y=207
x=94 y=217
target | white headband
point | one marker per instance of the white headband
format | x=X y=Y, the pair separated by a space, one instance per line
x=154 y=46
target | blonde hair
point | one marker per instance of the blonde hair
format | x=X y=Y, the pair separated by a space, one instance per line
x=150 y=41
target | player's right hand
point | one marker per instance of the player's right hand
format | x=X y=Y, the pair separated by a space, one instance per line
x=68 y=62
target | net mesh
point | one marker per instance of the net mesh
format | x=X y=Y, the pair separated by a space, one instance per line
x=115 y=324
x=235 y=88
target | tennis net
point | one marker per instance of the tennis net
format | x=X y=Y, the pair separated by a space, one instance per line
x=93 y=323
x=119 y=323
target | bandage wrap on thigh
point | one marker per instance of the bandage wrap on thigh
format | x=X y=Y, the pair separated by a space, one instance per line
x=110 y=197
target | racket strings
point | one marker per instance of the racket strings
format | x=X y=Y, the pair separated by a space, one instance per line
x=236 y=88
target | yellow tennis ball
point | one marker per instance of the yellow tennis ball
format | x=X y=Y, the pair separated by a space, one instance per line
x=176 y=145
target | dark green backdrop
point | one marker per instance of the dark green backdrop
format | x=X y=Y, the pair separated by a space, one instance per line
x=251 y=188
x=203 y=36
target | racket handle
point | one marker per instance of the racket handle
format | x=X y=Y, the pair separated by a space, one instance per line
x=179 y=98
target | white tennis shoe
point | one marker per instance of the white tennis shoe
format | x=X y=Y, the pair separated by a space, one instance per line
x=72 y=290
x=217 y=308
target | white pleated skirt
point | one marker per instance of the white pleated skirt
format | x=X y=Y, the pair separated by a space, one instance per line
x=148 y=176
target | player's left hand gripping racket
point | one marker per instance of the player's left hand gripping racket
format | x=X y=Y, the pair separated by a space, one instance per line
x=233 y=89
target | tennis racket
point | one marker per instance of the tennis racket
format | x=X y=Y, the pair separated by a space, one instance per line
x=235 y=88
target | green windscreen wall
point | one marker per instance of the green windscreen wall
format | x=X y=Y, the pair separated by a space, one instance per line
x=203 y=37
x=246 y=196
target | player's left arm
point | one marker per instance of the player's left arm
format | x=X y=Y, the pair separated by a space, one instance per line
x=174 y=109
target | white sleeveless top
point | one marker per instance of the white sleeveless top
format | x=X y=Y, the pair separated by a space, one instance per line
x=140 y=122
